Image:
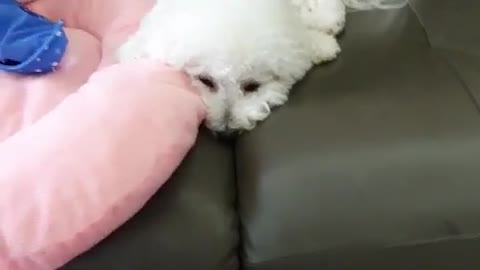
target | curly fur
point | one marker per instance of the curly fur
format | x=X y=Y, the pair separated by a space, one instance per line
x=244 y=55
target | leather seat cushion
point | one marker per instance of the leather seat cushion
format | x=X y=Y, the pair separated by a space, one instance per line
x=373 y=163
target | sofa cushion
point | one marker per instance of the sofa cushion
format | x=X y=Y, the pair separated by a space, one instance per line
x=450 y=24
x=373 y=163
x=189 y=224
x=451 y=29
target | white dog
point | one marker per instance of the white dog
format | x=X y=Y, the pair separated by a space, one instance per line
x=244 y=55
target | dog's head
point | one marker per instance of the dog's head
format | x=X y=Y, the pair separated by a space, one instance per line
x=243 y=55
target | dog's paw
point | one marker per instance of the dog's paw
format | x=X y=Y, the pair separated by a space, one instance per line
x=275 y=98
x=257 y=113
x=324 y=46
x=248 y=117
x=326 y=16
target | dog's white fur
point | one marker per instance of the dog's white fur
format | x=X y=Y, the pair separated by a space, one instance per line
x=229 y=47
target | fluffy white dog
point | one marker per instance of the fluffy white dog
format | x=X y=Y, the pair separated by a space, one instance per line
x=244 y=55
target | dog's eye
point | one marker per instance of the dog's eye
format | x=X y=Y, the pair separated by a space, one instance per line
x=207 y=81
x=250 y=86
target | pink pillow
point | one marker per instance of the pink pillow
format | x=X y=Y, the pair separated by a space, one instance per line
x=84 y=168
x=81 y=153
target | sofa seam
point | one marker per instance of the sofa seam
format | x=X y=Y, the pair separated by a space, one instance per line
x=454 y=71
x=419 y=20
x=239 y=247
x=439 y=240
x=326 y=252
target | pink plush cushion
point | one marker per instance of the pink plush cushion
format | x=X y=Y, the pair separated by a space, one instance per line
x=81 y=153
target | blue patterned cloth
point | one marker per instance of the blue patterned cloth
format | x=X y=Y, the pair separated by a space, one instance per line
x=29 y=43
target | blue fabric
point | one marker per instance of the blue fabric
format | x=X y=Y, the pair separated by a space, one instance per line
x=29 y=43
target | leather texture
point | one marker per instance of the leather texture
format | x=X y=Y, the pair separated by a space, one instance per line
x=372 y=164
x=189 y=224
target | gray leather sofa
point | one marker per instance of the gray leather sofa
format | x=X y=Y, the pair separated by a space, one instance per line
x=373 y=164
